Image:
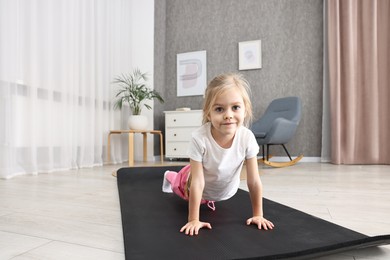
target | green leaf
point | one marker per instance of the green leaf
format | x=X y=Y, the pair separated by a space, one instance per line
x=133 y=89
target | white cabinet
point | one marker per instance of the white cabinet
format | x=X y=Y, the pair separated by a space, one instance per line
x=178 y=128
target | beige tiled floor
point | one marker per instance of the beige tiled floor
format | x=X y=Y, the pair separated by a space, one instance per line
x=75 y=214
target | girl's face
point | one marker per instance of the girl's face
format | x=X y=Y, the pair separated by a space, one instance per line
x=227 y=114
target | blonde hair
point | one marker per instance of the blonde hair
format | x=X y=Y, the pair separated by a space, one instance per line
x=219 y=85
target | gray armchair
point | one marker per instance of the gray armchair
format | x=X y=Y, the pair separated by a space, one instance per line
x=277 y=127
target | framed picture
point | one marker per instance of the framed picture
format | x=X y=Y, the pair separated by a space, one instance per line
x=191 y=73
x=249 y=55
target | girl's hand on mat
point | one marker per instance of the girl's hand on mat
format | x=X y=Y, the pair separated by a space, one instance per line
x=261 y=222
x=192 y=227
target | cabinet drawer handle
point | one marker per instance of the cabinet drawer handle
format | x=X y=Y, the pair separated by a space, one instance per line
x=174 y=149
x=174 y=134
x=174 y=120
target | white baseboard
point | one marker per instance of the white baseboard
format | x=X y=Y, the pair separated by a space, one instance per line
x=282 y=159
x=286 y=159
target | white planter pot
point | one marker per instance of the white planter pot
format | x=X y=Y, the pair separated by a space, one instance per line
x=137 y=122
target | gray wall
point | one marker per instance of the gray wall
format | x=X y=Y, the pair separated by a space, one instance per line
x=291 y=32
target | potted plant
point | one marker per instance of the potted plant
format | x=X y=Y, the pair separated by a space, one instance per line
x=134 y=91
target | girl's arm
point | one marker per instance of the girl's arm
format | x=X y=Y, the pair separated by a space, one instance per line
x=195 y=196
x=256 y=194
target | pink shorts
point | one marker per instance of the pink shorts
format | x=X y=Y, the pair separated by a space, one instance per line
x=181 y=182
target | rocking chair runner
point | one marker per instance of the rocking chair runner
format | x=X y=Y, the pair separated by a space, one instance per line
x=277 y=127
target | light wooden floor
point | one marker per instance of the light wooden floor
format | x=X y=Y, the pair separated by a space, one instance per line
x=75 y=214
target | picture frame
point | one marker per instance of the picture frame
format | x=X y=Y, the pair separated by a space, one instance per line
x=191 y=73
x=249 y=55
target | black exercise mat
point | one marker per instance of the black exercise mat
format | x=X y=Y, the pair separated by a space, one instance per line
x=152 y=219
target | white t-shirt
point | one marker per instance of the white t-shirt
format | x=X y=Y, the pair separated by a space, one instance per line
x=221 y=167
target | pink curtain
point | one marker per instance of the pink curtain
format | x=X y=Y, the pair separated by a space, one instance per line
x=359 y=81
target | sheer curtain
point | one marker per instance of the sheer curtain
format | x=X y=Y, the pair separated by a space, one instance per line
x=58 y=59
x=359 y=81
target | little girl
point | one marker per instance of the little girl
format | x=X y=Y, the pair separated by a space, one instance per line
x=217 y=153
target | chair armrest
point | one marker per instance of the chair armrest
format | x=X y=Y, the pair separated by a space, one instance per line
x=259 y=134
x=281 y=132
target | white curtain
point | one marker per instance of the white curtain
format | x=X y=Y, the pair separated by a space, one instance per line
x=57 y=62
